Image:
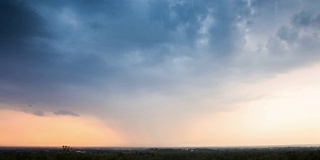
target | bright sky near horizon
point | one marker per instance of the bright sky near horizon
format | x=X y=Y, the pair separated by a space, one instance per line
x=150 y=73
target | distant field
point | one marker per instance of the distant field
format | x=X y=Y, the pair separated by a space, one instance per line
x=271 y=153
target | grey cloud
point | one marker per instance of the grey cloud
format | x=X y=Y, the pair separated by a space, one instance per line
x=18 y=22
x=153 y=24
x=32 y=69
x=306 y=19
x=38 y=113
x=66 y=113
x=275 y=6
x=288 y=34
x=20 y=58
x=52 y=54
x=302 y=19
x=91 y=53
x=294 y=44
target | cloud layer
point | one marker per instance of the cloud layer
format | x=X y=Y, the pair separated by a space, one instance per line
x=143 y=64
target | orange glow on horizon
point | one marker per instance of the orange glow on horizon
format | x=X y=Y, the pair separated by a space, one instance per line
x=23 y=129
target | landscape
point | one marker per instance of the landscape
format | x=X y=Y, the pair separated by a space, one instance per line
x=159 y=79
x=219 y=153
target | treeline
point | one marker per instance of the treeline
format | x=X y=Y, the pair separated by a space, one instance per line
x=165 y=154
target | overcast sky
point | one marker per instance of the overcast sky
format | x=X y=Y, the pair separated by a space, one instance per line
x=160 y=72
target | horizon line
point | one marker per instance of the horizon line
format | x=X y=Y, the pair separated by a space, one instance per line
x=173 y=147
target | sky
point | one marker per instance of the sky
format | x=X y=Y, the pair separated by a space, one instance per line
x=159 y=73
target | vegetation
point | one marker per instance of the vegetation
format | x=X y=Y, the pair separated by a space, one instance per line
x=67 y=153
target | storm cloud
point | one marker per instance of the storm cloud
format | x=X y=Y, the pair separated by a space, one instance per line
x=148 y=59
x=66 y=113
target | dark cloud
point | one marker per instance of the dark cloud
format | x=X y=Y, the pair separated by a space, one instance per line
x=20 y=58
x=302 y=19
x=214 y=20
x=31 y=68
x=149 y=25
x=41 y=52
x=306 y=19
x=66 y=113
x=288 y=34
x=18 y=22
x=66 y=53
x=137 y=61
x=38 y=113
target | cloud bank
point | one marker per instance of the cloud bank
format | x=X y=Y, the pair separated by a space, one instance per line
x=143 y=64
